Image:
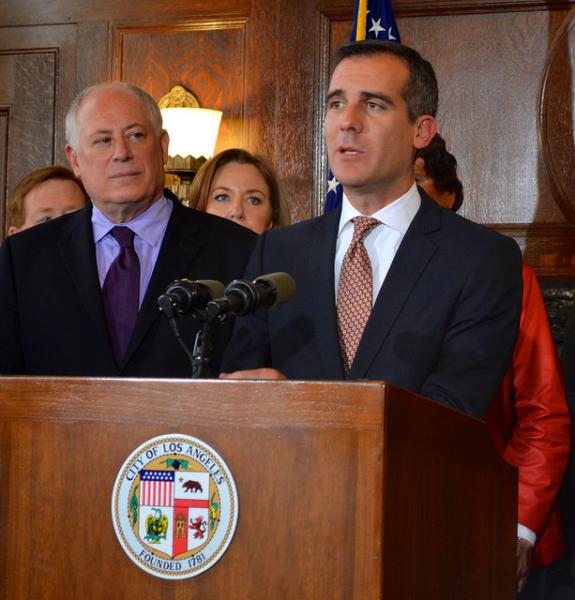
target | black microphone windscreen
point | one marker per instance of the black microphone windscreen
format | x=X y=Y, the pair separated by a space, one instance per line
x=283 y=285
x=216 y=287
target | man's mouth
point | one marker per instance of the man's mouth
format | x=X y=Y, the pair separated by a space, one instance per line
x=124 y=174
x=349 y=151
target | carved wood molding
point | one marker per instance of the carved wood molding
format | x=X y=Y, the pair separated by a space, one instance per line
x=343 y=9
x=4 y=138
x=555 y=117
x=120 y=31
x=548 y=248
x=447 y=7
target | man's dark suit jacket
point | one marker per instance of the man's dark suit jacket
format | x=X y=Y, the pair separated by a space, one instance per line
x=443 y=325
x=52 y=319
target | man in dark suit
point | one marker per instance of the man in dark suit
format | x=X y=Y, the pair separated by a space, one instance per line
x=76 y=298
x=444 y=293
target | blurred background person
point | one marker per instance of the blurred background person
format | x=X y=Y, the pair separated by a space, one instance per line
x=42 y=195
x=528 y=421
x=241 y=187
x=435 y=171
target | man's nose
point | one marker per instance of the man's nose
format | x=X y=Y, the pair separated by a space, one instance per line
x=352 y=118
x=122 y=150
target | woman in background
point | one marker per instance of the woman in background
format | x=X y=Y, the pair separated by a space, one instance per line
x=435 y=170
x=241 y=187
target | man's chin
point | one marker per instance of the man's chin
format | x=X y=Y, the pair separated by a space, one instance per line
x=132 y=196
x=351 y=183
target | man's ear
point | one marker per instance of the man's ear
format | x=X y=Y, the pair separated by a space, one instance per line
x=425 y=130
x=72 y=159
x=165 y=142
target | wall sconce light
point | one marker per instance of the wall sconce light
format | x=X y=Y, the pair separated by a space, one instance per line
x=193 y=134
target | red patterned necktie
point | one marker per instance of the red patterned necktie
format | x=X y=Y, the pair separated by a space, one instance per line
x=121 y=292
x=355 y=292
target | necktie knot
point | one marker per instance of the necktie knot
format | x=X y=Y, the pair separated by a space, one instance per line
x=362 y=227
x=124 y=236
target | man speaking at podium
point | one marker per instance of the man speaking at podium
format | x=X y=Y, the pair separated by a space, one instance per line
x=78 y=295
x=391 y=286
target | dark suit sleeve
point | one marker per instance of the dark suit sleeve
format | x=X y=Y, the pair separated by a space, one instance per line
x=568 y=362
x=11 y=360
x=478 y=344
x=249 y=347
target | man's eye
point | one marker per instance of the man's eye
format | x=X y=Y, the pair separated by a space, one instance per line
x=137 y=135
x=102 y=141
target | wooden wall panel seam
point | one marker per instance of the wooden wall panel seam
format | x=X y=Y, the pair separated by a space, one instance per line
x=321 y=68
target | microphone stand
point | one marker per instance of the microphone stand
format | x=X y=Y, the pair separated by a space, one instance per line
x=204 y=342
x=201 y=354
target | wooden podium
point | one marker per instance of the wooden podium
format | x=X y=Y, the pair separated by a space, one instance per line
x=346 y=490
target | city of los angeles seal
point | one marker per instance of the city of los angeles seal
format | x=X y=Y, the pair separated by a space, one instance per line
x=174 y=506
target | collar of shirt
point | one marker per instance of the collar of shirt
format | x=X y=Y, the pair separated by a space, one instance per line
x=381 y=243
x=397 y=215
x=148 y=226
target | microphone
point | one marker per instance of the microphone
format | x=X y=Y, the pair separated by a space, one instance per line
x=243 y=297
x=183 y=295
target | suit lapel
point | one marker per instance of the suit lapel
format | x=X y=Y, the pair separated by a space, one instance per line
x=77 y=249
x=180 y=247
x=322 y=285
x=409 y=263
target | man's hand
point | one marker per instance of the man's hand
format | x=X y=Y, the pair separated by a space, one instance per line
x=254 y=374
x=524 y=552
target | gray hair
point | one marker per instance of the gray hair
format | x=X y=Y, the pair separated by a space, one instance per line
x=72 y=134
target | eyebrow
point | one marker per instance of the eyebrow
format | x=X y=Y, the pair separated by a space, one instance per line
x=110 y=130
x=229 y=189
x=365 y=95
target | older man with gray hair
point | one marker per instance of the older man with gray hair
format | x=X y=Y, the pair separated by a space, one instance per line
x=78 y=295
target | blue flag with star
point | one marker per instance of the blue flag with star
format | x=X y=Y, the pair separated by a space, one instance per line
x=373 y=20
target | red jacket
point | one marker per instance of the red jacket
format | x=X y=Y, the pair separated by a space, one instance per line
x=530 y=424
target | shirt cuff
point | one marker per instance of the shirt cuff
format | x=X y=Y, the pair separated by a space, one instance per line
x=526 y=534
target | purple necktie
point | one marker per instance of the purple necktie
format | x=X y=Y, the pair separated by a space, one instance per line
x=122 y=292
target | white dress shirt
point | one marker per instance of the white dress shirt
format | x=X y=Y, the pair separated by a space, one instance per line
x=383 y=241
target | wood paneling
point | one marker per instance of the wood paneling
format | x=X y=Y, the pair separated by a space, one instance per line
x=267 y=63
x=4 y=120
x=29 y=12
x=295 y=87
x=556 y=117
x=37 y=75
x=549 y=249
x=207 y=57
x=450 y=7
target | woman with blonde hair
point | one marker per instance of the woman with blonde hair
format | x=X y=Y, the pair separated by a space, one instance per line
x=241 y=187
